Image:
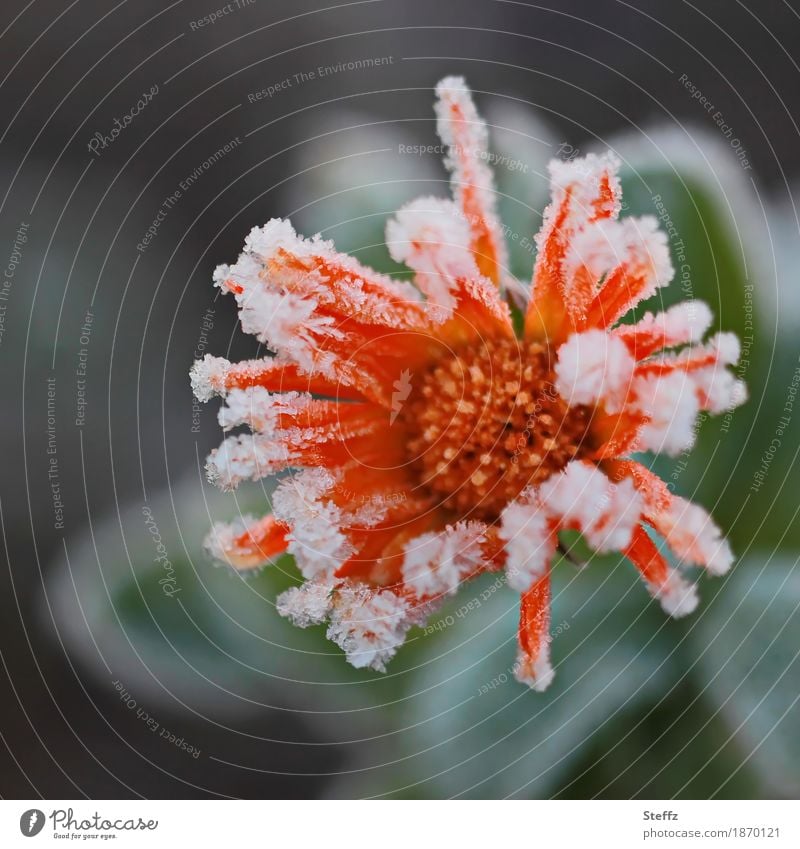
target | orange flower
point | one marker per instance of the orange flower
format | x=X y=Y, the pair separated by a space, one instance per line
x=430 y=441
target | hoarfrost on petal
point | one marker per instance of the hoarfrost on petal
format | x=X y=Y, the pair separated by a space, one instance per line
x=536 y=672
x=594 y=366
x=368 y=625
x=530 y=542
x=308 y=604
x=436 y=563
x=317 y=539
x=693 y=536
x=670 y=404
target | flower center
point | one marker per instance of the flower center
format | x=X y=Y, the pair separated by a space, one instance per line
x=486 y=422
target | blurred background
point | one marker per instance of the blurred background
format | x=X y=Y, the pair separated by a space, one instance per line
x=140 y=142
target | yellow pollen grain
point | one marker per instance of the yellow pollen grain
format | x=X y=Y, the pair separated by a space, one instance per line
x=486 y=421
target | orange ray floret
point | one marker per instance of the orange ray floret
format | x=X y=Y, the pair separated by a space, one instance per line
x=677 y=596
x=465 y=134
x=682 y=324
x=217 y=376
x=585 y=191
x=251 y=542
x=533 y=661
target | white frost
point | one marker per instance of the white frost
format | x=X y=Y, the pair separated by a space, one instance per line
x=308 y=604
x=693 y=536
x=530 y=542
x=594 y=366
x=368 y=625
x=436 y=563
x=583 y=497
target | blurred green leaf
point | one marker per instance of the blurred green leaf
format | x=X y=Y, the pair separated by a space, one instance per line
x=645 y=755
x=521 y=145
x=747 y=649
x=355 y=173
x=198 y=633
x=471 y=730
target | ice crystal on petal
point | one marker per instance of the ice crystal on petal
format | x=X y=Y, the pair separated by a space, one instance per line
x=530 y=542
x=584 y=498
x=464 y=133
x=692 y=534
x=435 y=564
x=670 y=406
x=582 y=178
x=594 y=366
x=368 y=625
x=208 y=377
x=536 y=672
x=220 y=538
x=677 y=596
x=681 y=324
x=308 y=604
x=431 y=236
x=259 y=409
x=245 y=457
x=317 y=539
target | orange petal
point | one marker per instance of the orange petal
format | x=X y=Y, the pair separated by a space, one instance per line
x=465 y=134
x=379 y=555
x=583 y=191
x=677 y=596
x=218 y=376
x=533 y=663
x=644 y=554
x=654 y=490
x=258 y=544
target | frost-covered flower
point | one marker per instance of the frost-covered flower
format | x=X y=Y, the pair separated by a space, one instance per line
x=431 y=441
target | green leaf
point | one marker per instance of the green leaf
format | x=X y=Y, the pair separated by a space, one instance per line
x=471 y=730
x=747 y=649
x=521 y=145
x=676 y=748
x=188 y=630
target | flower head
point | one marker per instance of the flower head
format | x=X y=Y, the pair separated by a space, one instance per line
x=429 y=441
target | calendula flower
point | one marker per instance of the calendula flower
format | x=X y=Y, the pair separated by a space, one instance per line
x=430 y=441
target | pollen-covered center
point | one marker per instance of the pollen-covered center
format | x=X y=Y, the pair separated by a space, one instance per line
x=486 y=422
